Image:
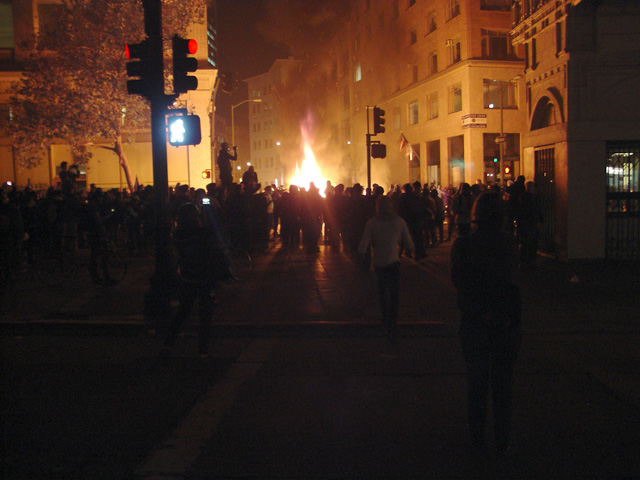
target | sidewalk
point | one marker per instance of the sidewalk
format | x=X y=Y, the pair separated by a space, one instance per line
x=305 y=385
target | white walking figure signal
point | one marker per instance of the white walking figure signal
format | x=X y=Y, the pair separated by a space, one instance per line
x=177 y=131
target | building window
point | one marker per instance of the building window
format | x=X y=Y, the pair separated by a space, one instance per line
x=5 y=115
x=534 y=54
x=496 y=44
x=499 y=5
x=455 y=98
x=453 y=9
x=397 y=118
x=433 y=62
x=456 y=159
x=413 y=35
x=6 y=26
x=415 y=74
x=395 y=9
x=453 y=44
x=358 y=73
x=432 y=106
x=344 y=63
x=413 y=113
x=346 y=100
x=431 y=22
x=492 y=89
x=559 y=37
x=346 y=131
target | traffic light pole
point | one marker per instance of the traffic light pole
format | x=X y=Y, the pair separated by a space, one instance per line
x=368 y=161
x=156 y=300
x=368 y=153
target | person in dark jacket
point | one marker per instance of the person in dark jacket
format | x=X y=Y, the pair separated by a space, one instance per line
x=483 y=267
x=224 y=164
x=528 y=219
x=196 y=245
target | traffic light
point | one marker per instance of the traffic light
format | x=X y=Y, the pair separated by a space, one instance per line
x=378 y=150
x=138 y=69
x=206 y=174
x=183 y=64
x=184 y=130
x=378 y=121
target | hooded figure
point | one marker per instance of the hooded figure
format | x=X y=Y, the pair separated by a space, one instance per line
x=483 y=267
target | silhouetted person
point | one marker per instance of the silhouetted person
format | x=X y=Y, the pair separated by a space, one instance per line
x=461 y=206
x=250 y=180
x=98 y=212
x=196 y=245
x=528 y=218
x=311 y=218
x=386 y=231
x=514 y=193
x=224 y=164
x=483 y=267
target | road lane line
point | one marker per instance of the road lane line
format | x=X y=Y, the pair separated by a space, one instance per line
x=173 y=457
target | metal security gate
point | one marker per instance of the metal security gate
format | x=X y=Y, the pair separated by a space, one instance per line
x=623 y=201
x=545 y=184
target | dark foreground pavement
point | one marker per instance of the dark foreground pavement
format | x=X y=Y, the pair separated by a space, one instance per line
x=303 y=384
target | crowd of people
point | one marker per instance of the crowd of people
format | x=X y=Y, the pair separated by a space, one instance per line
x=65 y=218
x=496 y=230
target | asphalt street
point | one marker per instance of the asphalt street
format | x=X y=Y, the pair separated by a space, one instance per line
x=303 y=383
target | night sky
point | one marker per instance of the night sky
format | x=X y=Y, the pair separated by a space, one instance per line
x=243 y=50
x=254 y=33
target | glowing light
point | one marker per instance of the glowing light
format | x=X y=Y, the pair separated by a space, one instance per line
x=309 y=172
x=177 y=131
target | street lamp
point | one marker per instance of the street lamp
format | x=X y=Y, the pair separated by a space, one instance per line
x=502 y=137
x=233 y=136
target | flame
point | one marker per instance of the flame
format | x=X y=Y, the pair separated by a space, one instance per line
x=309 y=172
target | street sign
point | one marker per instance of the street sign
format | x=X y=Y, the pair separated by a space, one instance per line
x=501 y=139
x=474 y=120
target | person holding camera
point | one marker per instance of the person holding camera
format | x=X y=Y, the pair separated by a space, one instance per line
x=224 y=164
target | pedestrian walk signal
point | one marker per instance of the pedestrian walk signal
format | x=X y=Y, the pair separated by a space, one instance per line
x=378 y=150
x=184 y=130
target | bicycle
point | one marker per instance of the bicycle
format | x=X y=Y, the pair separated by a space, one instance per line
x=240 y=264
x=64 y=267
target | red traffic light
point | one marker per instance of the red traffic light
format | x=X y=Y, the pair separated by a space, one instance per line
x=192 y=46
x=183 y=64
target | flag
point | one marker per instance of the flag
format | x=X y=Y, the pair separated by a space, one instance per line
x=403 y=141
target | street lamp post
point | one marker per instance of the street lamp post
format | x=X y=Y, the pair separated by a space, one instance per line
x=233 y=124
x=502 y=138
x=233 y=107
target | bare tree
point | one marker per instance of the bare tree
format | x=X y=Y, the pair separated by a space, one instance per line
x=73 y=88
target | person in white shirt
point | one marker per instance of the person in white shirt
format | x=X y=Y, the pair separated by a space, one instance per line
x=386 y=232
